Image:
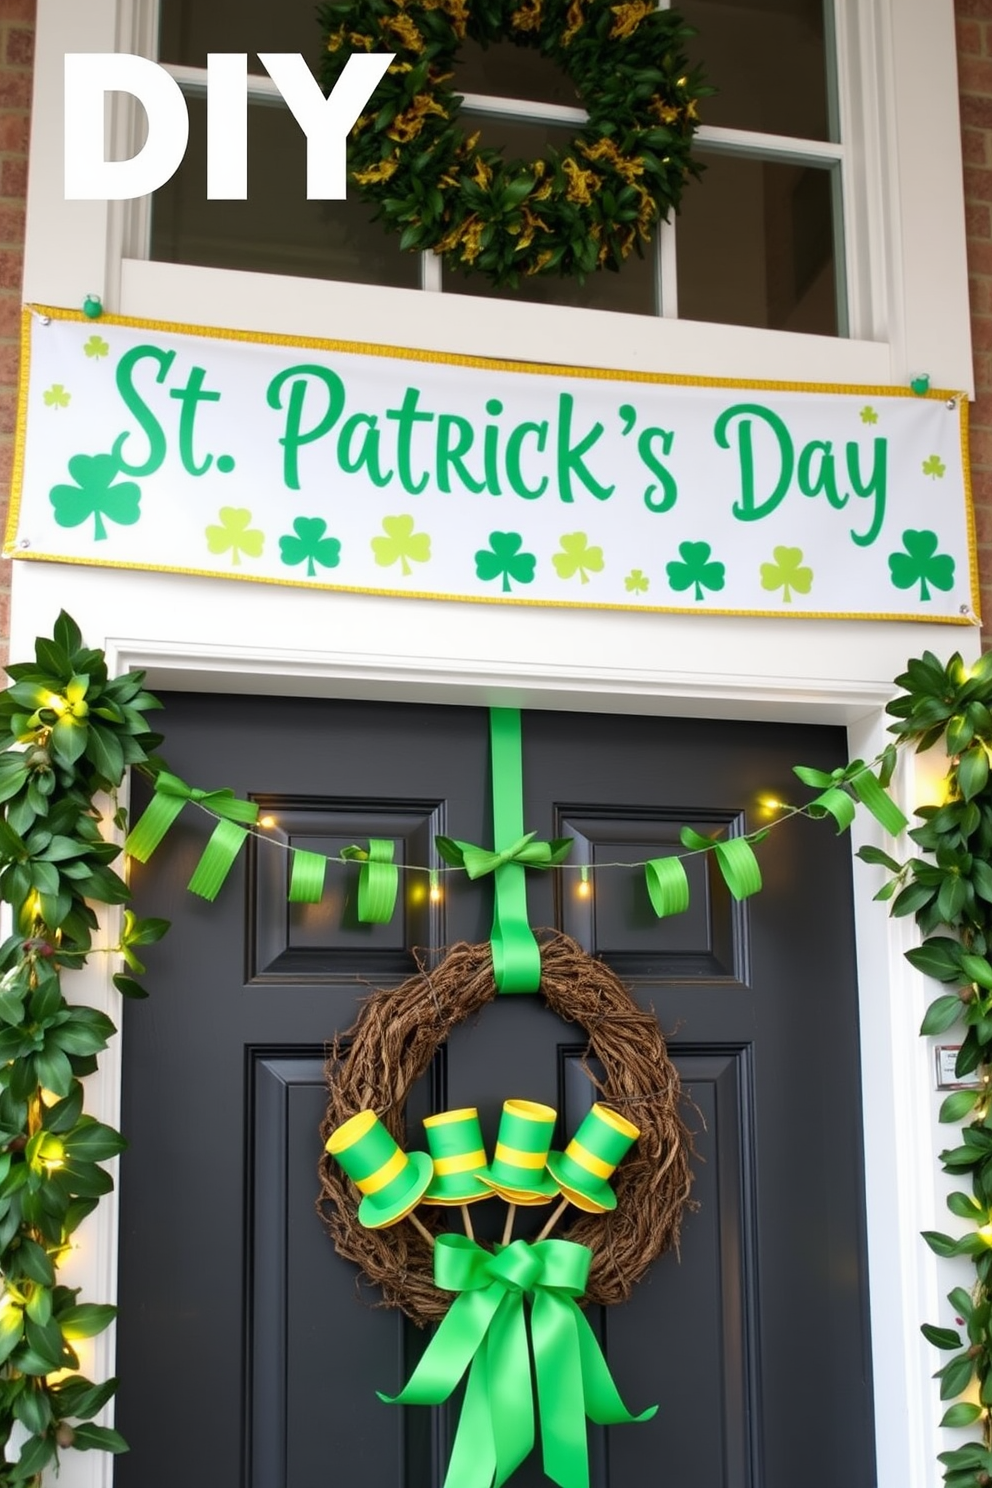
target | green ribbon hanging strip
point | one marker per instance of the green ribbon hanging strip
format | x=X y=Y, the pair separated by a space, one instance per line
x=485 y=1332
x=516 y=954
x=171 y=795
x=378 y=880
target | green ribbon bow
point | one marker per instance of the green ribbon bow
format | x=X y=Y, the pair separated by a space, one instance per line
x=485 y=1331
x=171 y=795
x=516 y=954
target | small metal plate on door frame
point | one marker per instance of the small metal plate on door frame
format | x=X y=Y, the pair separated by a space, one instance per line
x=945 y=1057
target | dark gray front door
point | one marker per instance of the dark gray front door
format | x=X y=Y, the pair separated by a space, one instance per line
x=248 y=1356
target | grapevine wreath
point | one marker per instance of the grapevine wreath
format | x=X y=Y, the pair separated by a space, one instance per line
x=572 y=211
x=374 y=1066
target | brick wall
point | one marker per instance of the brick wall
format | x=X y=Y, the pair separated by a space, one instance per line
x=16 y=56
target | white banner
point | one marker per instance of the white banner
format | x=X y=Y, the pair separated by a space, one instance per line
x=365 y=468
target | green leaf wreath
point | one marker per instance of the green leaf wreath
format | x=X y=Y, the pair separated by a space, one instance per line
x=570 y=212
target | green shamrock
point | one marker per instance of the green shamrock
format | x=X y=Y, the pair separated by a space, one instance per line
x=868 y=415
x=96 y=348
x=235 y=534
x=95 y=495
x=310 y=544
x=56 y=396
x=504 y=557
x=695 y=569
x=401 y=544
x=934 y=467
x=636 y=582
x=921 y=564
x=577 y=557
x=786 y=573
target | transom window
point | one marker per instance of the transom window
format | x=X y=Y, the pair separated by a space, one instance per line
x=759 y=241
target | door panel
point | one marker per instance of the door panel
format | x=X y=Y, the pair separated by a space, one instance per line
x=249 y=1354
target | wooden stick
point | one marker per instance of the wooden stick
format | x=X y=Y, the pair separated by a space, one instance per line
x=546 y=1231
x=468 y=1222
x=419 y=1225
x=508 y=1227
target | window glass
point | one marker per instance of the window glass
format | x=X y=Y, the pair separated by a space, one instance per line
x=189 y=29
x=767 y=60
x=276 y=231
x=506 y=70
x=756 y=246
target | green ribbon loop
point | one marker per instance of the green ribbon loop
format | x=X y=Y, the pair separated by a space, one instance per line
x=171 y=795
x=306 y=883
x=516 y=954
x=668 y=886
x=378 y=880
x=873 y=795
x=836 y=803
x=485 y=1332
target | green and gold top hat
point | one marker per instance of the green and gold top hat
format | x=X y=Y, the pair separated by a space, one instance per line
x=456 y=1145
x=518 y=1170
x=584 y=1169
x=392 y=1181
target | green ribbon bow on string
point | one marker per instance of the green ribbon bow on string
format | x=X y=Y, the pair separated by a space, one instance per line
x=516 y=954
x=171 y=795
x=835 y=799
x=485 y=1331
x=378 y=880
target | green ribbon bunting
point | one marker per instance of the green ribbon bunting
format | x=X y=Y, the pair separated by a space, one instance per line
x=668 y=886
x=171 y=795
x=836 y=803
x=735 y=859
x=306 y=882
x=873 y=795
x=485 y=1332
x=378 y=880
x=516 y=954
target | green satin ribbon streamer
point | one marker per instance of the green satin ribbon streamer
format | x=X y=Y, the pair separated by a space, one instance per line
x=873 y=795
x=485 y=1331
x=378 y=880
x=836 y=801
x=516 y=954
x=171 y=795
x=306 y=882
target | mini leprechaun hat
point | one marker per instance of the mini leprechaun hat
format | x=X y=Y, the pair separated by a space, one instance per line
x=584 y=1169
x=459 y=1153
x=392 y=1181
x=518 y=1170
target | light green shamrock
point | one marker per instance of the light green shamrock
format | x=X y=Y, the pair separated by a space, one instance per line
x=504 y=558
x=310 y=545
x=96 y=348
x=401 y=544
x=95 y=495
x=234 y=533
x=577 y=557
x=696 y=569
x=921 y=564
x=56 y=396
x=868 y=415
x=786 y=573
x=636 y=582
x=934 y=467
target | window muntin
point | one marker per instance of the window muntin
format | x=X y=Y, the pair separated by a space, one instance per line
x=777 y=125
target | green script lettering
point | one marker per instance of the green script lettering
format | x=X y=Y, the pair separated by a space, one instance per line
x=139 y=408
x=407 y=415
x=513 y=472
x=749 y=508
x=448 y=424
x=825 y=479
x=666 y=497
x=295 y=437
x=368 y=455
x=570 y=455
x=191 y=396
x=874 y=486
